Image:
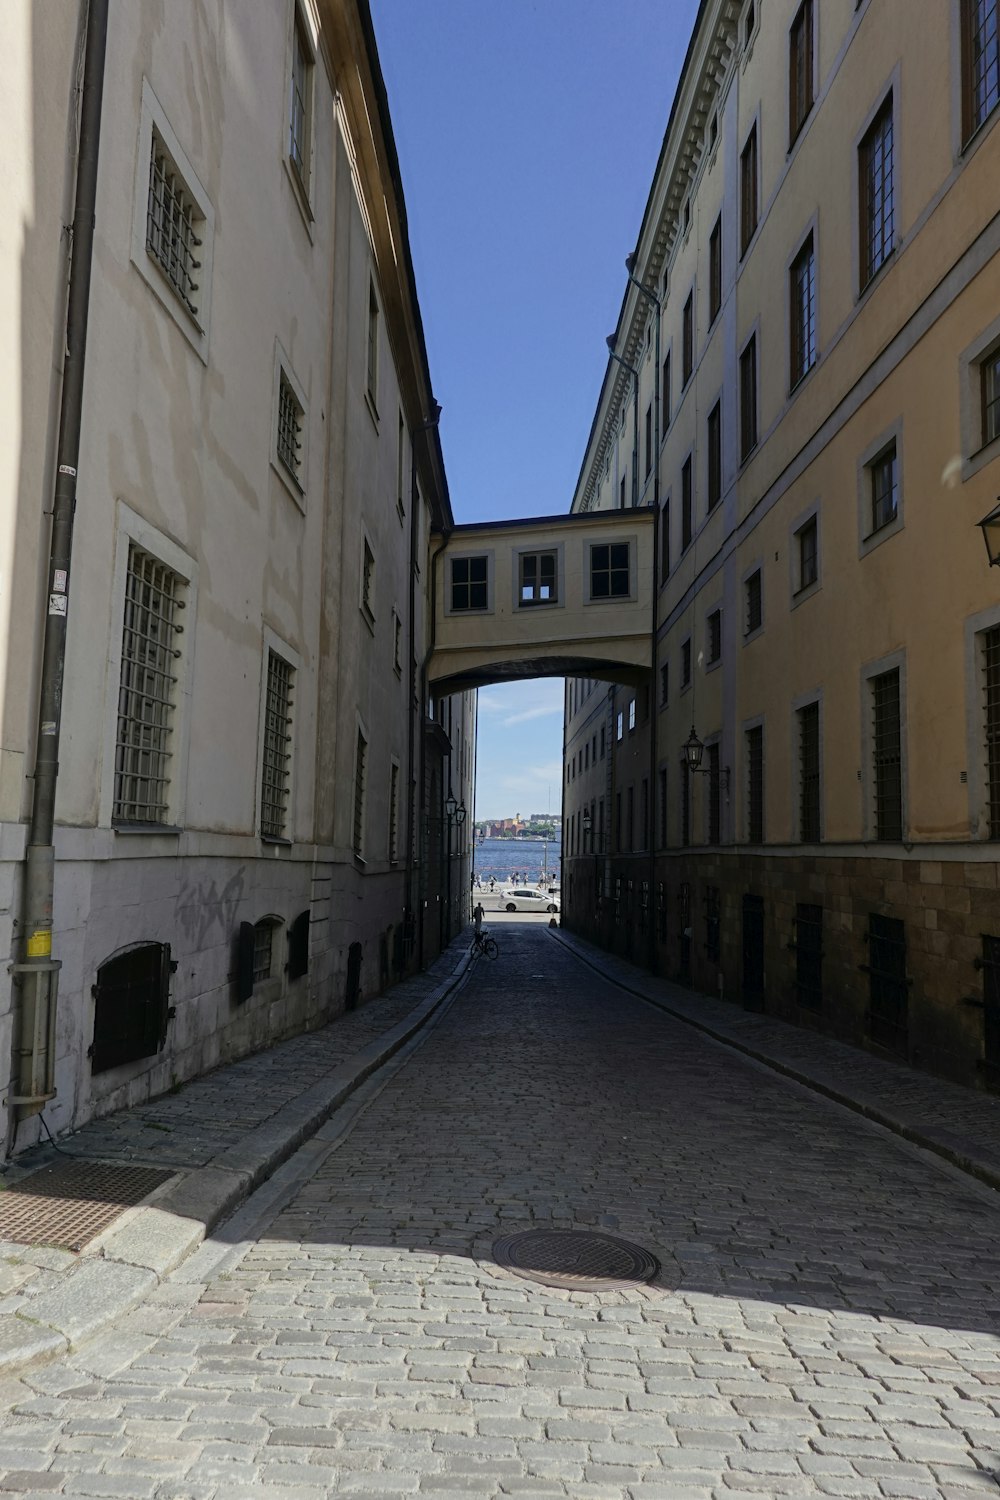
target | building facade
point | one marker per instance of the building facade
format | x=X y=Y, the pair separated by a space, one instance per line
x=800 y=810
x=251 y=830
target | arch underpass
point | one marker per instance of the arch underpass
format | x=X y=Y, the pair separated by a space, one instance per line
x=565 y=595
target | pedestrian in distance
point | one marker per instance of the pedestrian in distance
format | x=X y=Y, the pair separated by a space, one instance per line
x=477 y=917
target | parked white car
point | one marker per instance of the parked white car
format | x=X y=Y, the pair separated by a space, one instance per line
x=527 y=898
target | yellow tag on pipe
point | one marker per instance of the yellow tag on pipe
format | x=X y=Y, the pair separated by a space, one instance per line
x=40 y=945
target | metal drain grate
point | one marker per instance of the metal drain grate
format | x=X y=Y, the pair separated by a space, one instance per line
x=575 y=1261
x=70 y=1204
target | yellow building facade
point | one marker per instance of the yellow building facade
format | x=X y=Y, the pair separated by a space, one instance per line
x=801 y=808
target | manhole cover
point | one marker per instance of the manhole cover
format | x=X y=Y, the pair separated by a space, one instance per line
x=574 y=1260
x=69 y=1204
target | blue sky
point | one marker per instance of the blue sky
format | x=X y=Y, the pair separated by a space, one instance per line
x=527 y=132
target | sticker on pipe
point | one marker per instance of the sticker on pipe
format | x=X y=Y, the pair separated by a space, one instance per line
x=57 y=604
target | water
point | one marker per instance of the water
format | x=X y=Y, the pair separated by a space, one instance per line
x=501 y=857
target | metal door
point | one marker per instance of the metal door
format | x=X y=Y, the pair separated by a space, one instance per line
x=753 y=953
x=354 y=953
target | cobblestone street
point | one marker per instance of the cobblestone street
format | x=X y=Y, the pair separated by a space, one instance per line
x=826 y=1319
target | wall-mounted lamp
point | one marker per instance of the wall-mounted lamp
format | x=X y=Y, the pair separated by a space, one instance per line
x=991 y=534
x=455 y=811
x=694 y=749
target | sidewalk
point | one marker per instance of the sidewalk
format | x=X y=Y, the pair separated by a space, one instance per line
x=959 y=1124
x=220 y=1137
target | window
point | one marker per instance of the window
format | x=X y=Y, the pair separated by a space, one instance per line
x=664 y=684
x=686 y=663
x=687 y=340
x=263 y=948
x=602 y=741
x=713 y=922
x=800 y=70
x=300 y=102
x=714 y=455
x=888 y=984
x=980 y=64
x=289 y=439
x=989 y=374
x=538 y=578
x=748 y=191
x=749 y=22
x=397 y=643
x=713 y=129
x=400 y=466
x=621 y=495
x=146 y=694
x=360 y=787
x=807 y=543
x=715 y=636
x=887 y=757
x=665 y=407
x=687 y=215
x=802 y=313
x=393 y=813
x=714 y=794
x=685 y=804
x=875 y=185
x=631 y=715
x=665 y=541
x=174 y=226
x=662 y=777
x=715 y=271
x=883 y=488
x=809 y=781
x=686 y=531
x=755 y=784
x=748 y=399
x=371 y=381
x=630 y=817
x=809 y=955
x=131 y=1005
x=469 y=583
x=753 y=603
x=620 y=726
x=649 y=439
x=368 y=582
x=990 y=659
x=609 y=570
x=275 y=775
x=644 y=826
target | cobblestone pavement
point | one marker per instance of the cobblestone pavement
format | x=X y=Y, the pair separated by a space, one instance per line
x=826 y=1321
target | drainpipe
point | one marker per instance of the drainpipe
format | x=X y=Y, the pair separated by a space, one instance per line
x=432 y=564
x=36 y=974
x=416 y=723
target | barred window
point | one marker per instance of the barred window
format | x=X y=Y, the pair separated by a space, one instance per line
x=300 y=102
x=884 y=489
x=609 y=571
x=686 y=520
x=980 y=63
x=714 y=456
x=686 y=663
x=360 y=783
x=713 y=922
x=393 y=813
x=662 y=776
x=888 y=983
x=715 y=271
x=664 y=684
x=748 y=191
x=802 y=313
x=173 y=224
x=748 y=398
x=715 y=635
x=753 y=599
x=808 y=543
x=800 y=69
x=887 y=756
x=290 y=417
x=989 y=373
x=809 y=782
x=469 y=583
x=714 y=794
x=146 y=695
x=687 y=340
x=665 y=402
x=755 y=784
x=685 y=804
x=990 y=640
x=372 y=369
x=276 y=762
x=263 y=948
x=665 y=541
x=875 y=181
x=809 y=955
x=368 y=581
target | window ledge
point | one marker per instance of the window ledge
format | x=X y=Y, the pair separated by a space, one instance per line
x=277 y=839
x=877 y=275
x=372 y=408
x=300 y=195
x=751 y=635
x=171 y=830
x=978 y=460
x=289 y=483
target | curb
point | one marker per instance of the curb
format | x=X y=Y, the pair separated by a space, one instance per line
x=142 y=1247
x=982 y=1171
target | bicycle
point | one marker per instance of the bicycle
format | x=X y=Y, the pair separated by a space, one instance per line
x=483 y=943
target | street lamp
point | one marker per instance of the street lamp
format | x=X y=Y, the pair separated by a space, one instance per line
x=991 y=534
x=694 y=749
x=455 y=814
x=587 y=825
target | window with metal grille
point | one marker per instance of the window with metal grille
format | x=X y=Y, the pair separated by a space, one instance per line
x=685 y=804
x=661 y=911
x=884 y=492
x=888 y=985
x=714 y=456
x=809 y=781
x=808 y=947
x=263 y=948
x=800 y=69
x=664 y=684
x=372 y=366
x=686 y=527
x=687 y=340
x=368 y=581
x=748 y=398
x=618 y=822
x=715 y=271
x=802 y=313
x=538 y=578
x=713 y=923
x=662 y=778
x=755 y=784
x=989 y=375
x=602 y=741
x=665 y=541
x=469 y=583
x=665 y=402
x=875 y=184
x=714 y=794
x=299 y=108
x=609 y=570
x=808 y=544
x=173 y=221
x=887 y=756
x=686 y=663
x=276 y=761
x=990 y=648
x=649 y=439
x=748 y=191
x=753 y=603
x=393 y=813
x=290 y=417
x=980 y=63
x=630 y=817
x=397 y=644
x=146 y=694
x=400 y=465
x=360 y=787
x=715 y=635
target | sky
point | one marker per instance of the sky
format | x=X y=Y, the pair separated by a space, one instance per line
x=527 y=132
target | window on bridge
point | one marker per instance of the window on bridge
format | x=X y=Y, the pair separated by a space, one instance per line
x=609 y=571
x=469 y=583
x=538 y=578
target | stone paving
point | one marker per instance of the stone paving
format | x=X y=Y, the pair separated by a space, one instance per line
x=826 y=1321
